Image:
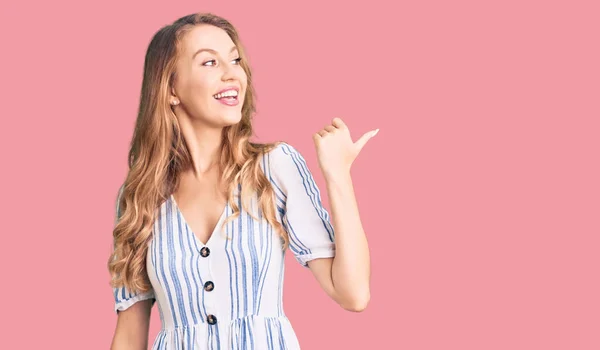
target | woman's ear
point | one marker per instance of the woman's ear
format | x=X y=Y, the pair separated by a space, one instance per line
x=173 y=98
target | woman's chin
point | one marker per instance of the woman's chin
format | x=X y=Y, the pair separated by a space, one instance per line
x=231 y=119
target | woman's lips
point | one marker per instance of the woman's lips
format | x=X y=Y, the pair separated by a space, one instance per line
x=229 y=101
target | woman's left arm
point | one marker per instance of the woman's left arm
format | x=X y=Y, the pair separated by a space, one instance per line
x=346 y=277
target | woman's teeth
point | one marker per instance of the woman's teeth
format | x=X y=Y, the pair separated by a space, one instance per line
x=230 y=93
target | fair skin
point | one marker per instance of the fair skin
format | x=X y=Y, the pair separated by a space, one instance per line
x=201 y=74
x=346 y=277
x=132 y=327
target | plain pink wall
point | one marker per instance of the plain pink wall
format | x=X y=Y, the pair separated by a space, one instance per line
x=479 y=195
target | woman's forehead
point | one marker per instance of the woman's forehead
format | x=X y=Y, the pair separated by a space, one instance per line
x=207 y=37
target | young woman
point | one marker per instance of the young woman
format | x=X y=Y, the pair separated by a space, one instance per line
x=205 y=216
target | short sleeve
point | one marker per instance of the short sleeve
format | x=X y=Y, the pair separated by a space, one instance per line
x=123 y=298
x=299 y=202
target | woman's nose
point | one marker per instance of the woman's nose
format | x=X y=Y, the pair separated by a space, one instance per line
x=229 y=71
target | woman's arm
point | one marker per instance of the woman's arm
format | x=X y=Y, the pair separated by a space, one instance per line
x=346 y=277
x=132 y=328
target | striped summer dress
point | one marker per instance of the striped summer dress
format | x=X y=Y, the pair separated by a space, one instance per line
x=227 y=293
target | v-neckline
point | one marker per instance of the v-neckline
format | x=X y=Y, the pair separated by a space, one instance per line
x=189 y=228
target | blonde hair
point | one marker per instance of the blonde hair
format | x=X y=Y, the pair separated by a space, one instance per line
x=158 y=154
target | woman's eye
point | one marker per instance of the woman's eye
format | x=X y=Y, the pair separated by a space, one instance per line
x=213 y=62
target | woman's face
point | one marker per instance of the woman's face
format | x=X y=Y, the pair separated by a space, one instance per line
x=210 y=83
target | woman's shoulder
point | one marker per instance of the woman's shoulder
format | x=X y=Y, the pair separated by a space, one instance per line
x=286 y=164
x=283 y=151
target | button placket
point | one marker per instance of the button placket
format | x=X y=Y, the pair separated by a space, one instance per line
x=208 y=286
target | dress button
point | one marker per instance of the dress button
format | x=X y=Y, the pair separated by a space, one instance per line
x=212 y=319
x=209 y=286
x=205 y=252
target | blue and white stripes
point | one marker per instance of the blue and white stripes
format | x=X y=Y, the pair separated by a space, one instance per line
x=304 y=217
x=245 y=264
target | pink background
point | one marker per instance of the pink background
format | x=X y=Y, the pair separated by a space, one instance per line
x=479 y=195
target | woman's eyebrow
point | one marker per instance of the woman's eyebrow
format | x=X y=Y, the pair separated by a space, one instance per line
x=211 y=51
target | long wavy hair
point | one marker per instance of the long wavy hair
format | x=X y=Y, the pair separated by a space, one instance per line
x=158 y=154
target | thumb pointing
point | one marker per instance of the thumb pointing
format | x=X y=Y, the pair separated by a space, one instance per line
x=366 y=137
